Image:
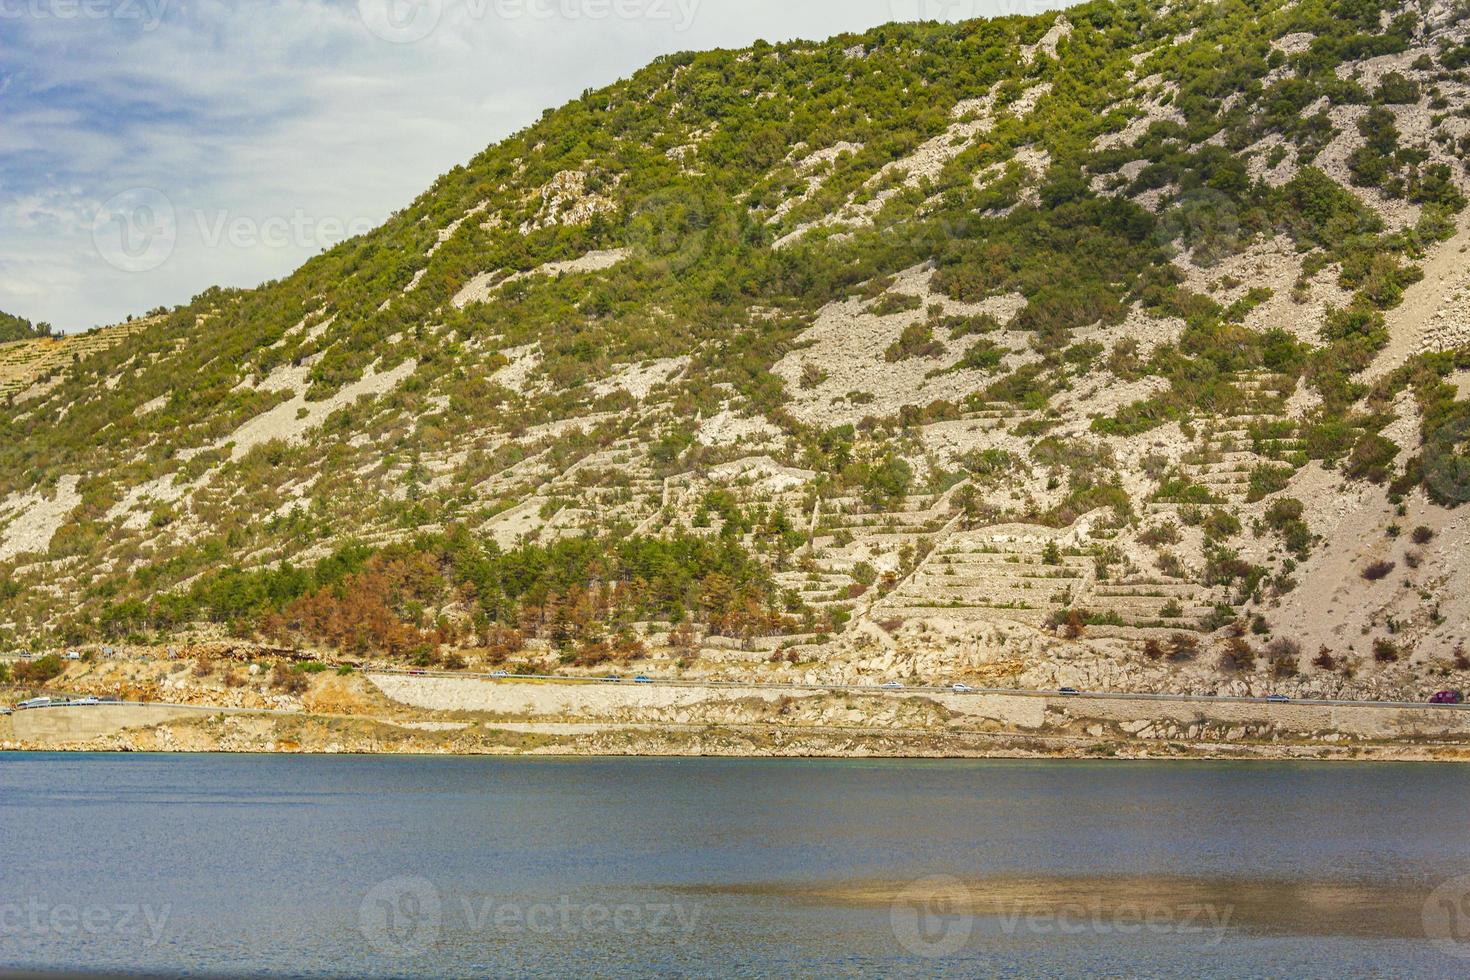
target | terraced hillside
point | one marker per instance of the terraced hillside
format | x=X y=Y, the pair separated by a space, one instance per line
x=1126 y=346
x=27 y=366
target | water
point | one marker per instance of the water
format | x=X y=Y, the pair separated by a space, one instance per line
x=407 y=866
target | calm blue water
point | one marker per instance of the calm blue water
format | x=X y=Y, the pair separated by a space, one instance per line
x=407 y=866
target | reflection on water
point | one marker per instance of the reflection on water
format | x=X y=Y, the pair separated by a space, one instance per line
x=1161 y=903
x=392 y=866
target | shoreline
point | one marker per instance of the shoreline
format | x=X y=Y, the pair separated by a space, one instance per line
x=1384 y=759
x=201 y=736
x=167 y=707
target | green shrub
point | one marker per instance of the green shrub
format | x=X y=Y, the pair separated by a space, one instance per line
x=1372 y=458
x=917 y=340
x=1283 y=511
x=983 y=355
x=892 y=303
x=1137 y=418
x=1397 y=89
x=1320 y=212
x=1221 y=525
x=1266 y=480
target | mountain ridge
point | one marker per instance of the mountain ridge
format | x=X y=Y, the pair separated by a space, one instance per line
x=1078 y=345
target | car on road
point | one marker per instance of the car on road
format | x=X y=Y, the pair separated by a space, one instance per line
x=418 y=673
x=640 y=679
x=962 y=689
x=612 y=679
x=1070 y=692
x=501 y=673
x=34 y=703
x=1278 y=699
x=88 y=701
x=891 y=686
x=5 y=711
x=1448 y=697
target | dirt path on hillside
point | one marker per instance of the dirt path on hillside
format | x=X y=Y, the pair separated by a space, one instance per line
x=1446 y=270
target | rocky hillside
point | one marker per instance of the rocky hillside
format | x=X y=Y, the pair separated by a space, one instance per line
x=1129 y=339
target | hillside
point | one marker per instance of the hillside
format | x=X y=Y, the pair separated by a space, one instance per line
x=13 y=327
x=1126 y=347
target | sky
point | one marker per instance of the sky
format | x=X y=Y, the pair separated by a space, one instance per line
x=152 y=148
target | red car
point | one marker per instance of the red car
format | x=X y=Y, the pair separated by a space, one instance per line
x=1448 y=697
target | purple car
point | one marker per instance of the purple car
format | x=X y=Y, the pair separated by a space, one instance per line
x=1448 y=697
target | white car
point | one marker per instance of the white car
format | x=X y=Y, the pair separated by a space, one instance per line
x=87 y=701
x=962 y=689
x=891 y=686
x=35 y=703
x=501 y=673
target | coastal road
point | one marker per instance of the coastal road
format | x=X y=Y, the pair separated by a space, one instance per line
x=875 y=688
x=882 y=689
x=560 y=706
x=879 y=688
x=716 y=686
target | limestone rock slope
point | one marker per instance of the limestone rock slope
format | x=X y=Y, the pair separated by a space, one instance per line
x=1128 y=344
